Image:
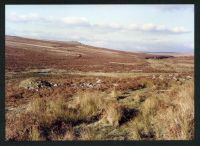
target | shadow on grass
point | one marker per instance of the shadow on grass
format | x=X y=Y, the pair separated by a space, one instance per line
x=127 y=115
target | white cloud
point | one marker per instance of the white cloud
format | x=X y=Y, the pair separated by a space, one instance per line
x=22 y=18
x=150 y=27
x=84 y=22
x=113 y=26
x=153 y=27
x=151 y=44
x=75 y=21
x=133 y=27
x=179 y=29
x=173 y=7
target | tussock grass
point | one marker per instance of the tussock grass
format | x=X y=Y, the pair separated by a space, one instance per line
x=180 y=118
x=88 y=134
x=90 y=103
x=69 y=135
x=167 y=116
x=36 y=105
x=35 y=134
x=85 y=107
x=160 y=116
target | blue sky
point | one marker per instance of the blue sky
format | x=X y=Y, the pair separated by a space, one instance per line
x=152 y=28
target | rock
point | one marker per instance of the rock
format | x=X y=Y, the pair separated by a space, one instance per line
x=161 y=77
x=188 y=77
x=174 y=78
x=98 y=81
x=86 y=85
x=115 y=85
x=153 y=77
x=183 y=79
x=90 y=85
x=44 y=83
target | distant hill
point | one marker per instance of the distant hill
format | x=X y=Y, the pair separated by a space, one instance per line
x=23 y=53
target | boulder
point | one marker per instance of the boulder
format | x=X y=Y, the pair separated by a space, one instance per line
x=188 y=77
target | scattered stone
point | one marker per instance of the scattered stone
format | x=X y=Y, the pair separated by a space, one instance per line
x=90 y=85
x=87 y=85
x=153 y=77
x=174 y=78
x=32 y=84
x=44 y=83
x=183 y=79
x=98 y=81
x=161 y=77
x=188 y=77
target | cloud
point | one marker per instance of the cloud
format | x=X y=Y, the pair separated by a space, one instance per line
x=149 y=27
x=14 y=17
x=144 y=46
x=108 y=26
x=173 y=7
x=84 y=22
x=151 y=44
x=152 y=27
x=179 y=29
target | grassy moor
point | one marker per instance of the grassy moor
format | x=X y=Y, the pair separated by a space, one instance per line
x=58 y=90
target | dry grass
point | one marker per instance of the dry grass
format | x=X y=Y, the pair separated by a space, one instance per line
x=111 y=74
x=35 y=134
x=81 y=109
x=69 y=135
x=162 y=116
x=167 y=116
x=88 y=134
x=180 y=118
x=98 y=95
x=169 y=65
x=90 y=103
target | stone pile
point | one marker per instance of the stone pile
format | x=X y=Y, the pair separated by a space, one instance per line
x=32 y=84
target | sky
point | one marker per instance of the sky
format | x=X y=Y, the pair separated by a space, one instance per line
x=146 y=28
